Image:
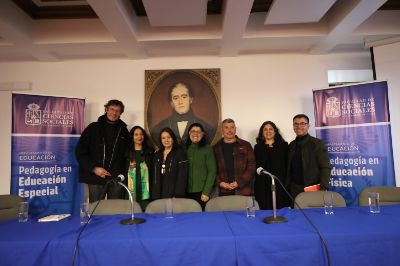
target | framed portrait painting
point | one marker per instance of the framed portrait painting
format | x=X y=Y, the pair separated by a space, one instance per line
x=179 y=98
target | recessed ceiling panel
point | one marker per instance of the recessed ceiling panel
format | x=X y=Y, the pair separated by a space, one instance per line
x=176 y=12
x=59 y=2
x=298 y=11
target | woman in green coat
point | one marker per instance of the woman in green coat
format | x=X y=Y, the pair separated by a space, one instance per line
x=202 y=165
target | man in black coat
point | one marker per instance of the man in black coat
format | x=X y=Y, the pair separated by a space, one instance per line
x=308 y=162
x=101 y=152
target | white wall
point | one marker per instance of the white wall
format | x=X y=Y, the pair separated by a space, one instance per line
x=254 y=88
x=387 y=65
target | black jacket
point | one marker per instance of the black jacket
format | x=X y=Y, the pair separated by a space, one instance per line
x=315 y=162
x=174 y=182
x=91 y=151
x=274 y=160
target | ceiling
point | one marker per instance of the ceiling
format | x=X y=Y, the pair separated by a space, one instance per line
x=59 y=30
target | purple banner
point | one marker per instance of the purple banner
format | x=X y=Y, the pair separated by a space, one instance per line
x=354 y=123
x=47 y=115
x=356 y=104
x=44 y=169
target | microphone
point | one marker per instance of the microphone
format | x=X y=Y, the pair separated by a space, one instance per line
x=272 y=219
x=119 y=179
x=262 y=171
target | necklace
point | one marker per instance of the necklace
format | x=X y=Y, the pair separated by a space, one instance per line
x=163 y=168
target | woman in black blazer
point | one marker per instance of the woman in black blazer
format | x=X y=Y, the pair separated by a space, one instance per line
x=271 y=153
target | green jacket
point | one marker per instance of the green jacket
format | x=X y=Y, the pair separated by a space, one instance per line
x=202 y=168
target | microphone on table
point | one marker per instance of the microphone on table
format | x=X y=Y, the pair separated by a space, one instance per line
x=271 y=219
x=261 y=171
x=119 y=179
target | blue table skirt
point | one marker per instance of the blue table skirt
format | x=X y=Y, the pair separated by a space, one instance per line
x=354 y=237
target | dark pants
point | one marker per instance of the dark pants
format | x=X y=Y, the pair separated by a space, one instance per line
x=295 y=190
x=228 y=193
x=143 y=204
x=197 y=197
x=98 y=192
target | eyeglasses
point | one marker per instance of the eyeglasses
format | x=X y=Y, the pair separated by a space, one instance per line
x=195 y=132
x=302 y=124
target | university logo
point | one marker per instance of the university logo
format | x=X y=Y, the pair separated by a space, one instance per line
x=332 y=107
x=33 y=116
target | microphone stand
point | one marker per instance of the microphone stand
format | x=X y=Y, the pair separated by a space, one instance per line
x=274 y=219
x=131 y=220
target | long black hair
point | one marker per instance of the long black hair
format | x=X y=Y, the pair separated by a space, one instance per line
x=278 y=137
x=147 y=144
x=203 y=140
x=175 y=143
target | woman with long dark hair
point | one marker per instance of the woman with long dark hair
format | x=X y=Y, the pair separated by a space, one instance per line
x=140 y=165
x=202 y=165
x=271 y=153
x=170 y=168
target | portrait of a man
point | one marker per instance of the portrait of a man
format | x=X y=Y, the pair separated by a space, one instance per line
x=179 y=98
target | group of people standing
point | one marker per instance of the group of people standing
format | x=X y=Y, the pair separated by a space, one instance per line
x=106 y=149
x=193 y=168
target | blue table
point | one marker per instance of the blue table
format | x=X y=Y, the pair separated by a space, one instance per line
x=354 y=237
